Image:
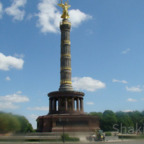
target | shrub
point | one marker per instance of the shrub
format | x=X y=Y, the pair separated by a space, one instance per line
x=108 y=134
x=65 y=137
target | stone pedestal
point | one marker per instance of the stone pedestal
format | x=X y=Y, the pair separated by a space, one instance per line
x=67 y=123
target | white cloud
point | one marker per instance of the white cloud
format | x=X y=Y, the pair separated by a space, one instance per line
x=14 y=98
x=119 y=81
x=49 y=16
x=1 y=10
x=90 y=103
x=134 y=89
x=87 y=83
x=43 y=108
x=8 y=101
x=19 y=92
x=131 y=100
x=127 y=111
x=7 y=62
x=16 y=10
x=126 y=51
x=7 y=78
x=32 y=119
x=7 y=105
x=77 y=17
x=29 y=16
x=19 y=55
x=33 y=116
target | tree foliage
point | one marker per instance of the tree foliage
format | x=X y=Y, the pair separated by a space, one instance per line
x=109 y=119
x=14 y=123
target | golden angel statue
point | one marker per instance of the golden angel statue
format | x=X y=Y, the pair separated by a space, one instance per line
x=65 y=7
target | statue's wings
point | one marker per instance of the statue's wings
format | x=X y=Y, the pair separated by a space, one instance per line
x=61 y=5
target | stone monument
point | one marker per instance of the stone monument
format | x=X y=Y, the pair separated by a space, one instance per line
x=66 y=105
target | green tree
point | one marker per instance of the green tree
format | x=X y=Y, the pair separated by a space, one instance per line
x=108 y=120
x=25 y=126
x=8 y=123
x=14 y=123
x=29 y=128
x=124 y=121
x=124 y=118
x=3 y=123
x=136 y=117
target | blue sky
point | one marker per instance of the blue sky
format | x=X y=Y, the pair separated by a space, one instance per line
x=107 y=54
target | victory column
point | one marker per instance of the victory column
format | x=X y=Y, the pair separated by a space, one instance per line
x=66 y=105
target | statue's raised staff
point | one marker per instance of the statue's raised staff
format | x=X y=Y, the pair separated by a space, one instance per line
x=65 y=7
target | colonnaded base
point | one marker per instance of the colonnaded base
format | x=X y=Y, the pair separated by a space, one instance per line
x=67 y=123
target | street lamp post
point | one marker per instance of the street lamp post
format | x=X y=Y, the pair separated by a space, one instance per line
x=62 y=122
x=63 y=133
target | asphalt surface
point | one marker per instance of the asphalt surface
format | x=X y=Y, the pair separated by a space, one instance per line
x=108 y=142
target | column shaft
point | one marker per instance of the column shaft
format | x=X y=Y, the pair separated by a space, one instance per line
x=49 y=105
x=54 y=104
x=72 y=104
x=65 y=73
x=81 y=105
x=66 y=104
x=77 y=104
x=58 y=104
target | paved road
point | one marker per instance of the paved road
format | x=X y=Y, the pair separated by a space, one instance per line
x=122 y=142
